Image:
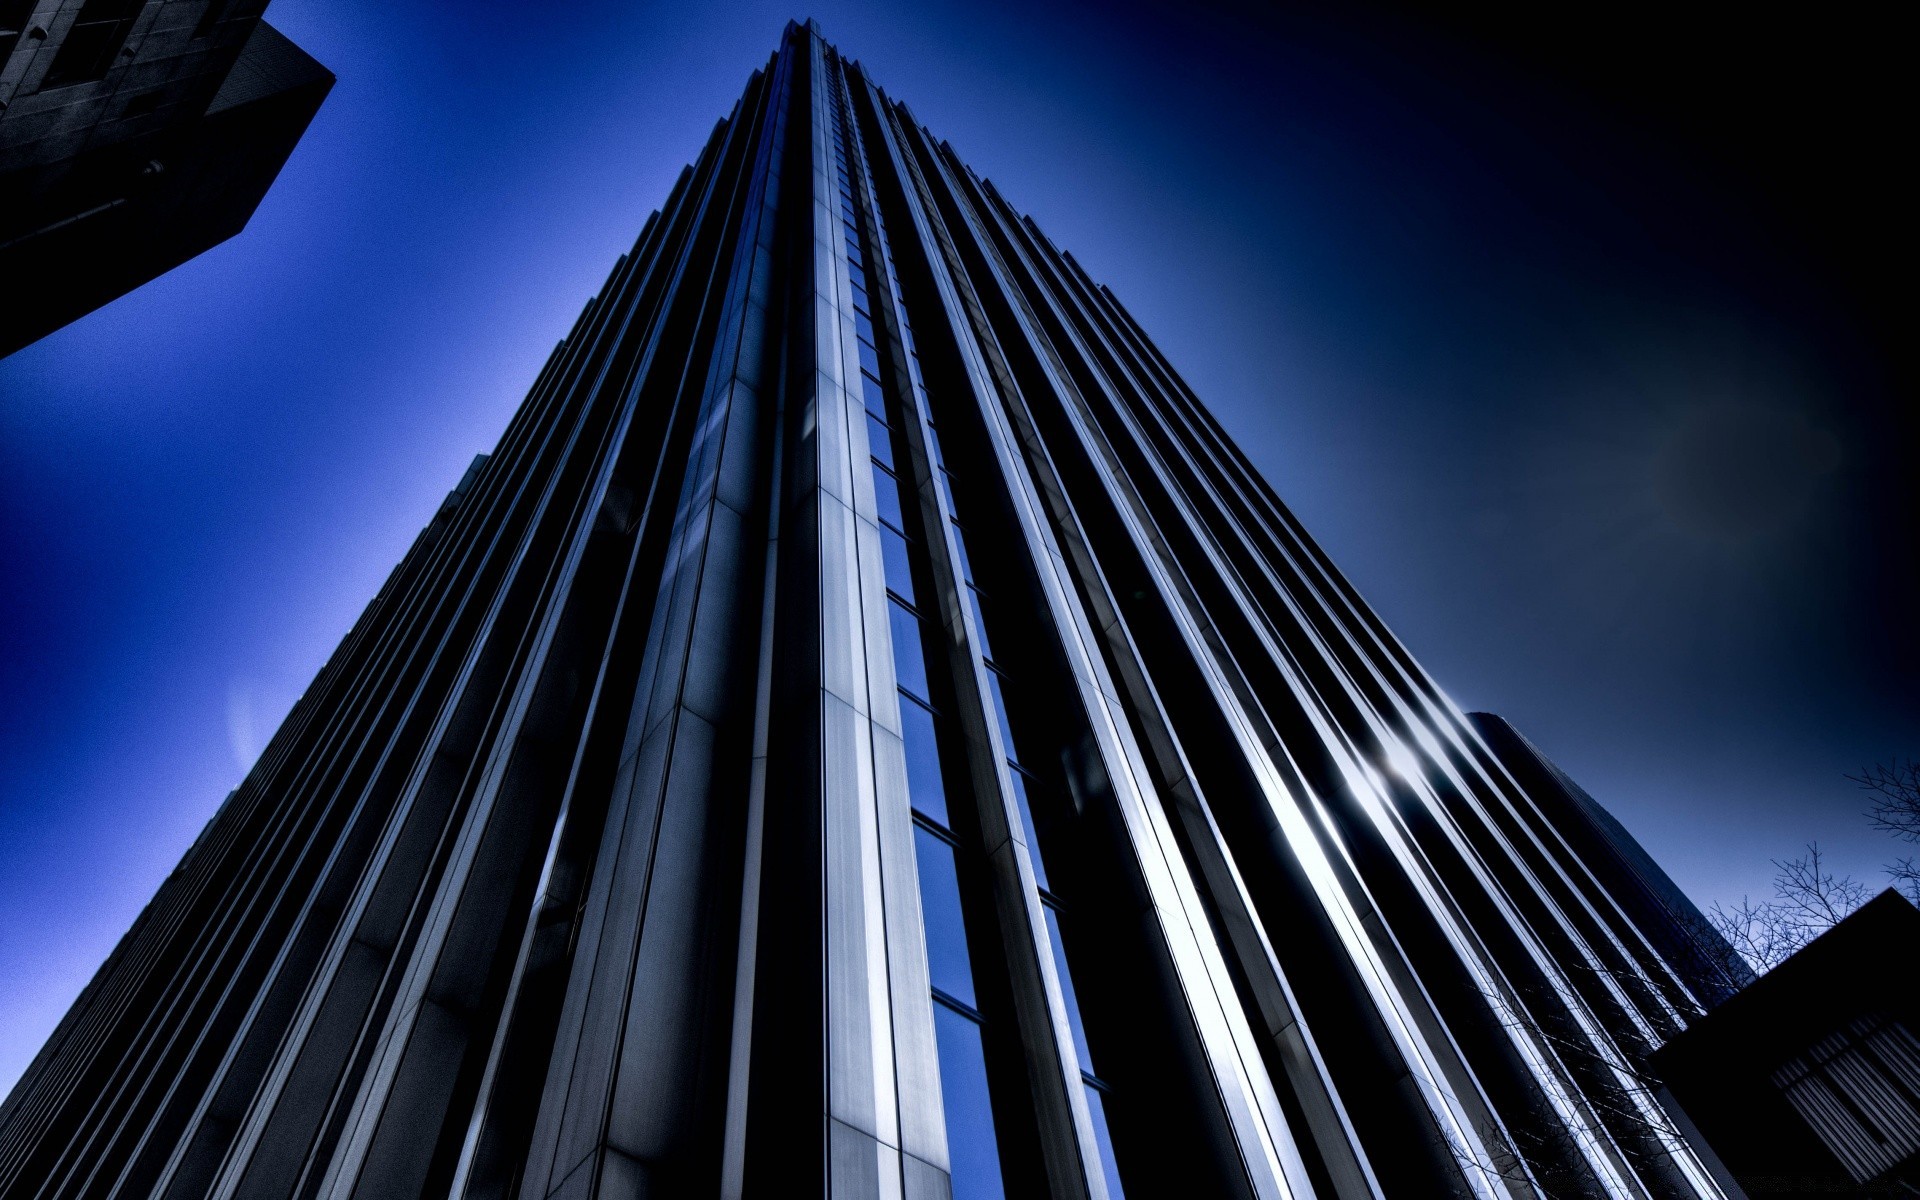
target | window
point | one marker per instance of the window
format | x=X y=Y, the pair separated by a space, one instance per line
x=899 y=567
x=974 y=602
x=1097 y=1109
x=997 y=698
x=211 y=15
x=14 y=15
x=873 y=395
x=879 y=441
x=1030 y=832
x=960 y=548
x=144 y=103
x=909 y=660
x=926 y=790
x=1094 y=1088
x=948 y=967
x=1030 y=793
x=969 y=1030
x=971 y=1143
x=1859 y=1091
x=92 y=41
x=886 y=497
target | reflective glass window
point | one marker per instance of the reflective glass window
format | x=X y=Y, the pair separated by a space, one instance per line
x=1097 y=1109
x=886 y=497
x=971 y=1145
x=925 y=788
x=998 y=702
x=948 y=967
x=1031 y=832
x=909 y=660
x=960 y=549
x=879 y=441
x=894 y=556
x=1066 y=989
x=979 y=619
x=873 y=396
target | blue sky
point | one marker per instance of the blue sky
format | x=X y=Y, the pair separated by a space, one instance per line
x=1590 y=424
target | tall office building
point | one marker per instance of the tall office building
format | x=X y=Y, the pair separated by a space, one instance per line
x=866 y=731
x=134 y=135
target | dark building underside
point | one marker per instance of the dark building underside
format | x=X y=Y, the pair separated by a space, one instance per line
x=78 y=232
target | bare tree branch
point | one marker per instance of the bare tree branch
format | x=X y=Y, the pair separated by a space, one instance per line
x=1534 y=1151
x=1816 y=899
x=1758 y=932
x=1807 y=900
x=1905 y=874
x=1896 y=797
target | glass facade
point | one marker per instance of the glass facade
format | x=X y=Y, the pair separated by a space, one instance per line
x=958 y=1022
x=866 y=731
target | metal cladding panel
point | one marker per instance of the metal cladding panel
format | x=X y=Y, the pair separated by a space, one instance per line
x=867 y=732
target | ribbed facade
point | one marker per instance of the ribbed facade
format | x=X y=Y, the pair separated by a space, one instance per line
x=865 y=731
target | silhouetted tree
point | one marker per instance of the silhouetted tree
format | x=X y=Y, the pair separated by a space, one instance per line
x=1807 y=900
x=1895 y=788
x=1534 y=1152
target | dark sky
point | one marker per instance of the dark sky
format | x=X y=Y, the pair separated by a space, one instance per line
x=1577 y=347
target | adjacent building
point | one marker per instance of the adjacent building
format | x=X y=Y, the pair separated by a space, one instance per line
x=867 y=731
x=1622 y=869
x=134 y=134
x=1808 y=1082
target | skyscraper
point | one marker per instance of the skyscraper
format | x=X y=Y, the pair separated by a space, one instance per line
x=867 y=731
x=134 y=135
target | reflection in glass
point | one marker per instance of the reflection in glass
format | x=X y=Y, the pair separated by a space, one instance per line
x=948 y=966
x=963 y=1086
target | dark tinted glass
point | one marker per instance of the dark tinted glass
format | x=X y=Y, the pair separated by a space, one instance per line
x=1066 y=990
x=960 y=548
x=1030 y=833
x=979 y=620
x=96 y=35
x=999 y=705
